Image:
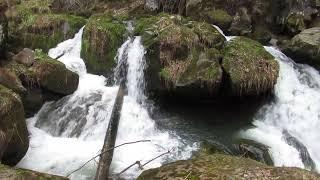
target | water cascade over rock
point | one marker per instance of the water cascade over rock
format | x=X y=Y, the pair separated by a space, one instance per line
x=68 y=132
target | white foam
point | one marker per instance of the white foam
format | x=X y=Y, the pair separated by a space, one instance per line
x=296 y=109
x=67 y=133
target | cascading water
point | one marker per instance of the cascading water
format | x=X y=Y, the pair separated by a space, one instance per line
x=136 y=124
x=67 y=133
x=290 y=125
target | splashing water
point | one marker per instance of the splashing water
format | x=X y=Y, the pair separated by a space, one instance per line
x=296 y=110
x=135 y=123
x=67 y=133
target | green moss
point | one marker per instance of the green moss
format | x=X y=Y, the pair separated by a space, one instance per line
x=15 y=173
x=103 y=35
x=220 y=18
x=219 y=166
x=252 y=70
x=33 y=25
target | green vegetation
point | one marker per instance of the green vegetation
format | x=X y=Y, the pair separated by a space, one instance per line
x=33 y=25
x=102 y=37
x=251 y=69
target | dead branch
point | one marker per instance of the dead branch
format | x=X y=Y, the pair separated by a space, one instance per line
x=134 y=142
x=141 y=166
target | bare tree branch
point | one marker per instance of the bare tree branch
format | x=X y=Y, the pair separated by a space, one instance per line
x=141 y=166
x=134 y=142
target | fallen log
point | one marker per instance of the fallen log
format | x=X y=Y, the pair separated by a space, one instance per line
x=110 y=138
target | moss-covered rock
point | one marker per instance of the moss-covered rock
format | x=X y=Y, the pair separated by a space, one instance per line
x=218 y=166
x=102 y=37
x=13 y=126
x=295 y=23
x=305 y=47
x=11 y=173
x=250 y=68
x=53 y=75
x=182 y=56
x=220 y=18
x=33 y=25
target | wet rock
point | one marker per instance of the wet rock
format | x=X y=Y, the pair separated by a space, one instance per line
x=304 y=47
x=25 y=57
x=254 y=150
x=217 y=166
x=301 y=148
x=102 y=37
x=13 y=127
x=11 y=173
x=251 y=70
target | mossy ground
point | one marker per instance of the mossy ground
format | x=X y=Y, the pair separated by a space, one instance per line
x=15 y=173
x=219 y=166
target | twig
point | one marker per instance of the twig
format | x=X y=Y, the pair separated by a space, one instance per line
x=157 y=157
x=136 y=163
x=106 y=152
x=187 y=176
x=141 y=166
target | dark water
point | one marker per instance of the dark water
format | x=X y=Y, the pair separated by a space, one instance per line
x=215 y=123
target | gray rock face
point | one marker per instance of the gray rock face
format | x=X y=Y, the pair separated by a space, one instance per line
x=305 y=47
x=25 y=57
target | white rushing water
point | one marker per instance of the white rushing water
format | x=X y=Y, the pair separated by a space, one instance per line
x=296 y=110
x=67 y=133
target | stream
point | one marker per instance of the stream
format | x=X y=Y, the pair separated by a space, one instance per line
x=67 y=133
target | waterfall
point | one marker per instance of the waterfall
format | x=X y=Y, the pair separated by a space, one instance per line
x=290 y=125
x=67 y=133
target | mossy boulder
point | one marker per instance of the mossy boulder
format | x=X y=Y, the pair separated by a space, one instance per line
x=250 y=68
x=12 y=173
x=44 y=79
x=305 y=47
x=13 y=128
x=220 y=18
x=33 y=25
x=53 y=75
x=219 y=166
x=102 y=37
x=183 y=56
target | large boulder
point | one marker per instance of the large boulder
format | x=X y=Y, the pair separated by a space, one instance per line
x=251 y=70
x=53 y=75
x=33 y=25
x=10 y=173
x=102 y=37
x=218 y=166
x=13 y=128
x=183 y=56
x=40 y=77
x=305 y=47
